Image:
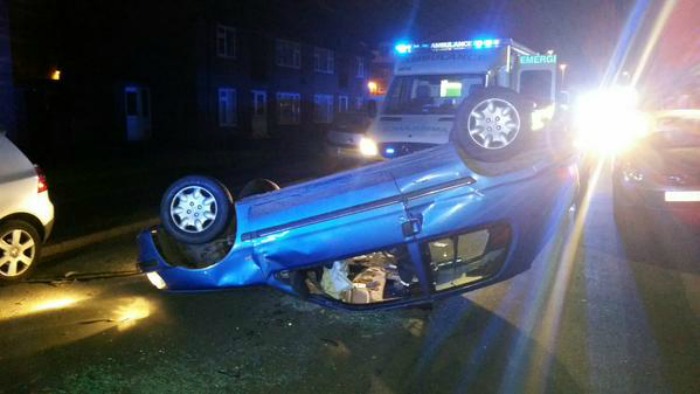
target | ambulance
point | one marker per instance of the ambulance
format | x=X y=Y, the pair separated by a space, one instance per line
x=432 y=80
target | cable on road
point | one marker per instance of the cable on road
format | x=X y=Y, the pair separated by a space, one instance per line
x=73 y=276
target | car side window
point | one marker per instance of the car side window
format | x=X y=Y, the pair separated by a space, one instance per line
x=380 y=276
x=466 y=258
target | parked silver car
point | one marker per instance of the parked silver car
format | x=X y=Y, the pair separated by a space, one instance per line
x=26 y=212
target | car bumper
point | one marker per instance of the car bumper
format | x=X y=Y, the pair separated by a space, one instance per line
x=48 y=229
x=683 y=204
x=343 y=152
x=155 y=261
x=43 y=209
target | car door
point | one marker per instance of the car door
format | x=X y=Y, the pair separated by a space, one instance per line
x=137 y=105
x=453 y=227
x=326 y=219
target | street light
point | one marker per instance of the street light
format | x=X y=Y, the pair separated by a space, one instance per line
x=562 y=67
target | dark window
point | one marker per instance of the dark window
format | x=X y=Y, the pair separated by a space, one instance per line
x=145 y=96
x=131 y=103
x=537 y=86
x=430 y=94
x=258 y=62
x=466 y=258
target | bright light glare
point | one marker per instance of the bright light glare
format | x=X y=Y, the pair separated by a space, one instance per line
x=608 y=121
x=372 y=87
x=403 y=48
x=59 y=303
x=542 y=116
x=127 y=315
x=368 y=147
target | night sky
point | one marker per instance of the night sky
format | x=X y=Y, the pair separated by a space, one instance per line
x=583 y=32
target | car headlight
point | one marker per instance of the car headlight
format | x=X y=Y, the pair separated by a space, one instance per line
x=156 y=280
x=608 y=121
x=368 y=147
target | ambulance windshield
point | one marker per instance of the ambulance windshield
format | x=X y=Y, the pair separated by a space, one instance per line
x=429 y=94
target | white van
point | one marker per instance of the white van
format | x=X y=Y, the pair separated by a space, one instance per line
x=26 y=212
x=431 y=81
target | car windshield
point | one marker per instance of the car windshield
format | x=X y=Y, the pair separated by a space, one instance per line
x=430 y=94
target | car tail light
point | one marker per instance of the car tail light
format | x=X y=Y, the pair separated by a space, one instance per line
x=42 y=185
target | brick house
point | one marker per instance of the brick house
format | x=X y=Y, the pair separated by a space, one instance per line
x=188 y=72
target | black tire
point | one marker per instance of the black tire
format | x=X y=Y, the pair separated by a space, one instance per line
x=196 y=209
x=258 y=186
x=20 y=249
x=493 y=124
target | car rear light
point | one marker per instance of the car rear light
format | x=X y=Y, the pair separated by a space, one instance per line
x=42 y=185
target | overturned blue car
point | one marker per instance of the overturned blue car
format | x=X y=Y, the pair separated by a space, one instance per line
x=408 y=231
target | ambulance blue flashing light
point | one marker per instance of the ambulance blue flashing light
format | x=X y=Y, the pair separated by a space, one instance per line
x=404 y=48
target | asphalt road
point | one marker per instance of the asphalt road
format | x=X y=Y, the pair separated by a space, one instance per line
x=583 y=318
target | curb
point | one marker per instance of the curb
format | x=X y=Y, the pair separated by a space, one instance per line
x=100 y=236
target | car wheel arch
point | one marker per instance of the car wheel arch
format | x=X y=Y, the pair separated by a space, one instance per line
x=28 y=219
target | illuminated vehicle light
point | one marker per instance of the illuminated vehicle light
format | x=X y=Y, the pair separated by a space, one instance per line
x=368 y=147
x=372 y=87
x=682 y=196
x=41 y=185
x=390 y=151
x=609 y=122
x=156 y=280
x=403 y=48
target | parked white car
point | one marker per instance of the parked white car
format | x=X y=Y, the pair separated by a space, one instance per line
x=26 y=212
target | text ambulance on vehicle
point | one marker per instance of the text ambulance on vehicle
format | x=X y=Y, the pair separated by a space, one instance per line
x=505 y=80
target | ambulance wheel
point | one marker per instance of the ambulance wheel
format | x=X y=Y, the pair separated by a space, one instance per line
x=196 y=209
x=258 y=186
x=493 y=124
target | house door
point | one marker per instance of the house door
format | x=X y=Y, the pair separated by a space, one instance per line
x=259 y=115
x=137 y=103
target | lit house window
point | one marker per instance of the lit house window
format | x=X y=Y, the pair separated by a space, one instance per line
x=288 y=54
x=323 y=108
x=360 y=67
x=227 y=107
x=343 y=103
x=288 y=108
x=323 y=60
x=225 y=41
